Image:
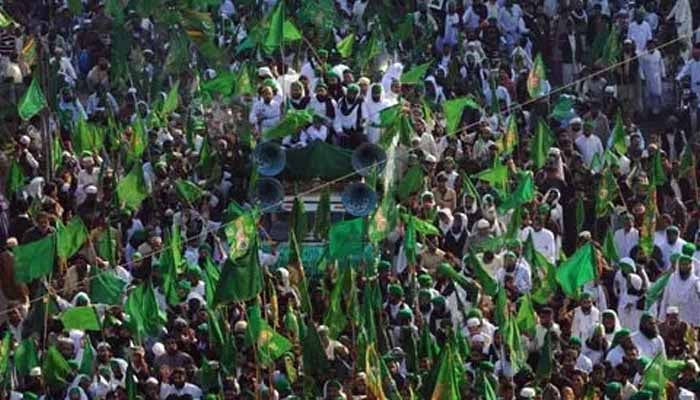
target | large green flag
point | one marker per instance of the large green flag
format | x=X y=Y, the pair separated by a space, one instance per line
x=33 y=100
x=541 y=143
x=81 y=318
x=223 y=83
x=26 y=357
x=656 y=290
x=270 y=344
x=488 y=283
x=619 y=143
x=536 y=78
x=55 y=368
x=188 y=190
x=523 y=193
x=497 y=176
x=415 y=74
x=132 y=190
x=241 y=234
x=70 y=238
x=15 y=179
x=280 y=30
x=241 y=278
x=345 y=46
x=526 y=317
x=611 y=48
x=453 y=111
x=171 y=101
x=345 y=238
x=146 y=318
x=30 y=266
x=578 y=270
x=447 y=383
x=87 y=137
x=106 y=287
x=291 y=124
x=542 y=289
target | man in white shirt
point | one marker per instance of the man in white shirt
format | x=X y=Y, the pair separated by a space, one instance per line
x=639 y=31
x=586 y=317
x=647 y=338
x=672 y=245
x=373 y=107
x=179 y=386
x=265 y=113
x=589 y=145
x=543 y=239
x=692 y=69
x=517 y=270
x=626 y=237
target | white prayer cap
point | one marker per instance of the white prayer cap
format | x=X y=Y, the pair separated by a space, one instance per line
x=25 y=140
x=528 y=393
x=36 y=371
x=430 y=158
x=686 y=395
x=693 y=364
x=482 y=224
x=264 y=71
x=479 y=338
x=152 y=381
x=672 y=310
x=473 y=322
x=575 y=120
x=158 y=349
x=636 y=281
x=11 y=242
x=210 y=73
x=240 y=326
x=91 y=189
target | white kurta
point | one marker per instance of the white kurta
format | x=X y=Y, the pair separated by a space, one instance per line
x=640 y=34
x=691 y=69
x=682 y=294
x=654 y=71
x=649 y=347
x=589 y=147
x=584 y=324
x=625 y=241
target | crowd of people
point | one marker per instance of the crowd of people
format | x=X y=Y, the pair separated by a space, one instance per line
x=536 y=233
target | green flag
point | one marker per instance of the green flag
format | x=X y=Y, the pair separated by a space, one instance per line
x=523 y=193
x=280 y=30
x=609 y=249
x=447 y=382
x=526 y=317
x=5 y=355
x=468 y=188
x=291 y=124
x=211 y=275
x=345 y=46
x=241 y=278
x=75 y=6
x=545 y=359
x=657 y=175
x=132 y=190
x=687 y=163
x=241 y=234
x=313 y=355
x=15 y=179
x=223 y=83
x=607 y=193
x=5 y=19
x=169 y=263
x=336 y=317
x=541 y=143
x=611 y=48
x=137 y=142
x=580 y=212
x=70 y=238
x=563 y=108
x=322 y=217
x=648 y=228
x=171 y=101
x=415 y=74
x=87 y=137
x=81 y=318
x=345 y=238
x=578 y=270
x=619 y=143
x=412 y=182
x=188 y=190
x=507 y=142
x=106 y=287
x=452 y=109
x=497 y=176
x=55 y=368
x=656 y=290
x=488 y=283
x=87 y=363
x=33 y=100
x=145 y=316
x=28 y=266
x=536 y=78
x=26 y=357
x=298 y=220
x=270 y=344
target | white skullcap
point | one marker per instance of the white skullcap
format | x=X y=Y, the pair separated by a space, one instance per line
x=158 y=349
x=686 y=395
x=672 y=310
x=575 y=120
x=636 y=281
x=528 y=393
x=264 y=71
x=240 y=326
x=473 y=322
x=430 y=158
x=11 y=242
x=25 y=140
x=482 y=224
x=91 y=189
x=152 y=381
x=479 y=338
x=36 y=371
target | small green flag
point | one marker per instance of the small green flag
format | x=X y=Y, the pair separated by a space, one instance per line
x=619 y=143
x=55 y=368
x=607 y=193
x=541 y=143
x=280 y=30
x=580 y=212
x=656 y=290
x=415 y=74
x=241 y=234
x=81 y=319
x=345 y=46
x=70 y=238
x=28 y=266
x=609 y=249
x=657 y=175
x=132 y=190
x=687 y=164
x=488 y=283
x=536 y=78
x=15 y=179
x=563 y=108
x=5 y=19
x=611 y=49
x=523 y=193
x=291 y=124
x=87 y=137
x=106 y=287
x=87 y=362
x=146 y=318
x=497 y=176
x=578 y=270
x=33 y=100
x=545 y=359
x=188 y=190
x=345 y=238
x=322 y=218
x=270 y=344
x=171 y=101
x=412 y=182
x=336 y=318
x=526 y=317
x=648 y=228
x=509 y=140
x=241 y=278
x=26 y=357
x=5 y=355
x=75 y=6
x=452 y=109
x=224 y=83
x=447 y=382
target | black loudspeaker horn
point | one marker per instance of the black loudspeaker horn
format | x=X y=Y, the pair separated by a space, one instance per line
x=359 y=199
x=366 y=156
x=269 y=192
x=270 y=158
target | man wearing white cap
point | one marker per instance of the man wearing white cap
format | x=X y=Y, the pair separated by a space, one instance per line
x=683 y=292
x=674 y=331
x=25 y=157
x=527 y=393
